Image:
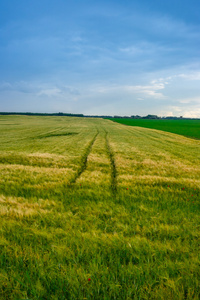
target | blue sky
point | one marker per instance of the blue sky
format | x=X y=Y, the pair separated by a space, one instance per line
x=100 y=57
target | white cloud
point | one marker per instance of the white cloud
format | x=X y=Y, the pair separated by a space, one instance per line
x=141 y=91
x=191 y=100
x=5 y=86
x=39 y=88
x=133 y=50
x=50 y=92
x=190 y=76
x=185 y=101
x=192 y=113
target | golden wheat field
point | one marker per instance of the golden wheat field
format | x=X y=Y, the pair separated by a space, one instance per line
x=92 y=209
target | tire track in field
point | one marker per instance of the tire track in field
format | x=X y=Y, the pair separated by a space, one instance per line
x=113 y=166
x=83 y=164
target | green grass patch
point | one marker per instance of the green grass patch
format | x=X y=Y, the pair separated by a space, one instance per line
x=56 y=135
x=189 y=128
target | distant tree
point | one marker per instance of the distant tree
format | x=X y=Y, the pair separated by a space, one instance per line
x=151 y=117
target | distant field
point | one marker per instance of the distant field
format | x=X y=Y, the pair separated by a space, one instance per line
x=189 y=128
x=93 y=209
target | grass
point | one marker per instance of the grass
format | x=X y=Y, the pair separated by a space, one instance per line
x=108 y=212
x=189 y=128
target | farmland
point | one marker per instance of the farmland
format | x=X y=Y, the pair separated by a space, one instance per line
x=93 y=209
x=189 y=128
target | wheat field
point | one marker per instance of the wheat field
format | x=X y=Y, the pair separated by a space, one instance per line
x=92 y=209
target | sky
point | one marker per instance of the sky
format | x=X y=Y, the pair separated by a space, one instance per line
x=100 y=57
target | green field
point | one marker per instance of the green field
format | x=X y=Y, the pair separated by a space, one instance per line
x=189 y=128
x=93 y=209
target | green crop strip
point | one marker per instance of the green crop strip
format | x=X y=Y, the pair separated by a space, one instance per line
x=188 y=128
